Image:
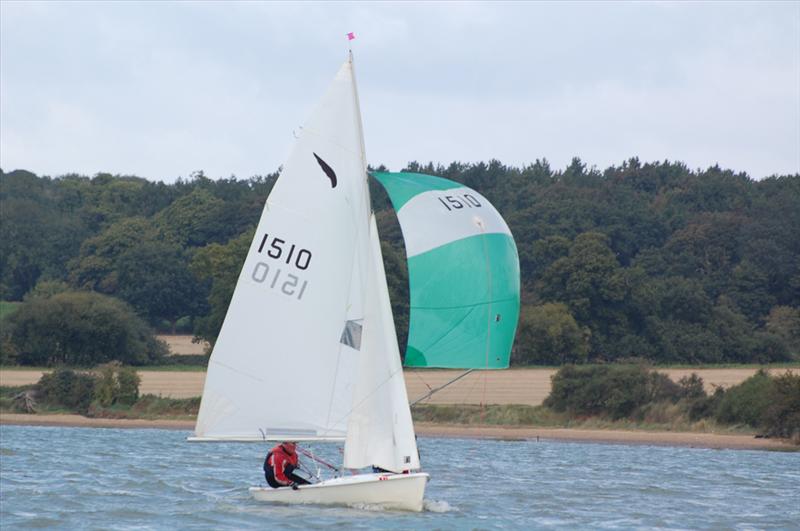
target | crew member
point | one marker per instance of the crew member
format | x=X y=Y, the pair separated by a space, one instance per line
x=279 y=467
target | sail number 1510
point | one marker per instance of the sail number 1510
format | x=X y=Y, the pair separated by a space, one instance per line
x=457 y=202
x=279 y=246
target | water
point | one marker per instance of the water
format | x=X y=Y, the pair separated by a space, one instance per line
x=83 y=478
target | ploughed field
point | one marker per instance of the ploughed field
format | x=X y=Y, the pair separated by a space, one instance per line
x=512 y=386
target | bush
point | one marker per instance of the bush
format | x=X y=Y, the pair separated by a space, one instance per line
x=116 y=385
x=83 y=329
x=549 y=335
x=200 y=360
x=747 y=402
x=67 y=388
x=614 y=391
x=105 y=388
x=782 y=415
x=128 y=384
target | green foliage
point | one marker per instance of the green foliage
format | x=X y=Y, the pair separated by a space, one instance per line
x=503 y=415
x=548 y=335
x=81 y=328
x=151 y=406
x=219 y=265
x=747 y=402
x=116 y=385
x=193 y=220
x=128 y=384
x=106 y=385
x=47 y=288
x=782 y=415
x=7 y=308
x=67 y=388
x=784 y=322
x=613 y=391
x=769 y=404
x=650 y=260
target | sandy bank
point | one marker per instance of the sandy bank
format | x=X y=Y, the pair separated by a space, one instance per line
x=697 y=440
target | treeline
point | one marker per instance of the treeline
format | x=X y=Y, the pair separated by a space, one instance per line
x=650 y=261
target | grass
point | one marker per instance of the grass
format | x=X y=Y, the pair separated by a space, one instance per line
x=495 y=415
x=151 y=407
x=147 y=407
x=521 y=416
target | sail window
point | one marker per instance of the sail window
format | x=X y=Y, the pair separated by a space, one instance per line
x=351 y=335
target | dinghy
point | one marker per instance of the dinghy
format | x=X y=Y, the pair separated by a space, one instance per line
x=308 y=350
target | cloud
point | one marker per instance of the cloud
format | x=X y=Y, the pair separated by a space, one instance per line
x=164 y=89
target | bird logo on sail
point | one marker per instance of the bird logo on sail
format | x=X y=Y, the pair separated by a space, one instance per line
x=327 y=169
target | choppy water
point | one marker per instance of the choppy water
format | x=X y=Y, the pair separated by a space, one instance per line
x=83 y=478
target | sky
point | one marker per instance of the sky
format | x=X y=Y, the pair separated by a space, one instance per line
x=165 y=89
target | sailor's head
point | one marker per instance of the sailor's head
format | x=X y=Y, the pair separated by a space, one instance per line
x=289 y=446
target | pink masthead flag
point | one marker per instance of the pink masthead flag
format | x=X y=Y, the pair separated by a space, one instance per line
x=351 y=36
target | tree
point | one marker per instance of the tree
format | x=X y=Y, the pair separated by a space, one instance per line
x=194 y=220
x=548 y=335
x=784 y=322
x=154 y=278
x=219 y=266
x=83 y=329
x=96 y=267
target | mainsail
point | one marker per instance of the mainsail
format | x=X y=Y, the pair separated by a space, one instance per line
x=283 y=366
x=463 y=273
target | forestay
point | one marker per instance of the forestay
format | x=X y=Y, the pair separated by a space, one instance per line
x=463 y=273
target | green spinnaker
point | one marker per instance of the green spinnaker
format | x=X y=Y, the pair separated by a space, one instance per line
x=463 y=273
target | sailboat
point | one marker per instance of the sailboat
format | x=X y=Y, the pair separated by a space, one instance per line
x=308 y=349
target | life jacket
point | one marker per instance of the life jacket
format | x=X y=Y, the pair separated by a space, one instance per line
x=280 y=462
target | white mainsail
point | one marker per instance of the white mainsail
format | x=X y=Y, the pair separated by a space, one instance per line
x=285 y=361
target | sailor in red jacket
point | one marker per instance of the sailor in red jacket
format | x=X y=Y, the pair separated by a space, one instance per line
x=279 y=467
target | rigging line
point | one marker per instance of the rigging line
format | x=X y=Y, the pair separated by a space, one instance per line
x=454 y=380
x=231 y=368
x=315 y=458
x=488 y=316
x=475 y=382
x=421 y=379
x=369 y=395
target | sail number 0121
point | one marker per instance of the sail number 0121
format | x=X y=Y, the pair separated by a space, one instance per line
x=261 y=274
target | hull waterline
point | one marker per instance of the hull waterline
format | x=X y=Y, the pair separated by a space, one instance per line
x=390 y=491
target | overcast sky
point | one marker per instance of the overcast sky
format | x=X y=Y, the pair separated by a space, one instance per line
x=161 y=89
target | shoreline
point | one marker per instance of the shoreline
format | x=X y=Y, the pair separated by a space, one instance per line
x=424 y=429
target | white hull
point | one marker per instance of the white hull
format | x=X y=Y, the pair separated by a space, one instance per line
x=390 y=491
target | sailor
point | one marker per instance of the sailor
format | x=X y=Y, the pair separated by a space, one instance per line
x=279 y=467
